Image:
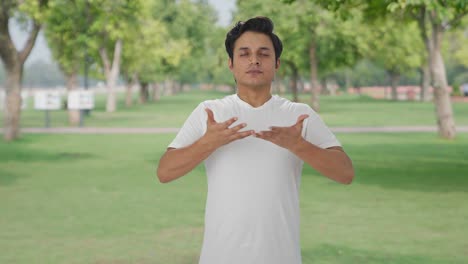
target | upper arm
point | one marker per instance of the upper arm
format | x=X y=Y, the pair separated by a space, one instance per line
x=193 y=128
x=317 y=132
x=337 y=148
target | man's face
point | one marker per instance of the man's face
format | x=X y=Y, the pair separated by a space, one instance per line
x=254 y=64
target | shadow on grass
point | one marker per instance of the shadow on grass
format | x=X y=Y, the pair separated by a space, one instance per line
x=8 y=178
x=20 y=151
x=327 y=253
x=22 y=154
x=33 y=155
x=396 y=162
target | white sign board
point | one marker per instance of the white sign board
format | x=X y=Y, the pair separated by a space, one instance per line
x=24 y=100
x=2 y=99
x=80 y=100
x=47 y=100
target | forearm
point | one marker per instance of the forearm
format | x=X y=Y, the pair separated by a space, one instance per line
x=175 y=163
x=333 y=163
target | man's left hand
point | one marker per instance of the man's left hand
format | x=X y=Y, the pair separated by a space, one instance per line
x=286 y=137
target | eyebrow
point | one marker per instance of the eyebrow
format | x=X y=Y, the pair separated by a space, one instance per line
x=261 y=48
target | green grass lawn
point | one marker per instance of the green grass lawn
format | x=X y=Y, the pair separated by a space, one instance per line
x=95 y=199
x=171 y=111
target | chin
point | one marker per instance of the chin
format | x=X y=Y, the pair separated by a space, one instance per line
x=257 y=85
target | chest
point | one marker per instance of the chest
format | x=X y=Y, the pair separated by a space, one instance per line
x=257 y=119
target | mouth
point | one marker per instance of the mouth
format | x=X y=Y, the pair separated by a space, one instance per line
x=254 y=71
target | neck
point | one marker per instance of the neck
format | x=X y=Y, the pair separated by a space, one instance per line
x=254 y=98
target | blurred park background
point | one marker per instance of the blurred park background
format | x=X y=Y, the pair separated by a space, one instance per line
x=93 y=197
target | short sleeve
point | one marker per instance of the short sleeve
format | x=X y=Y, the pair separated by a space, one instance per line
x=193 y=128
x=317 y=133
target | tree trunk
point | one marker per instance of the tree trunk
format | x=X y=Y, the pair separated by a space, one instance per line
x=12 y=109
x=323 y=85
x=73 y=114
x=425 y=93
x=293 y=81
x=348 y=81
x=112 y=73
x=425 y=67
x=314 y=82
x=129 y=94
x=168 y=87
x=144 y=93
x=394 y=81
x=156 y=92
x=177 y=87
x=443 y=104
x=13 y=60
x=293 y=85
x=300 y=86
x=129 y=90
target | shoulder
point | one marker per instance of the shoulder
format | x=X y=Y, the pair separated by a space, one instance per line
x=216 y=103
x=287 y=105
x=222 y=108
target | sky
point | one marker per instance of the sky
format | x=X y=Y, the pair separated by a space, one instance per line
x=42 y=52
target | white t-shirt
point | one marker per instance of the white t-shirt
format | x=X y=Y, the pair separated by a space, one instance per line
x=252 y=207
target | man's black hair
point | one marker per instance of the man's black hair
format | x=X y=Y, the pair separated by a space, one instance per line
x=257 y=24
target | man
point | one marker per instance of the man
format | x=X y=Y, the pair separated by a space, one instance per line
x=253 y=145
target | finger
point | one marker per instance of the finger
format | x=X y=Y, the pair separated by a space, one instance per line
x=238 y=127
x=229 y=122
x=244 y=134
x=265 y=134
x=276 y=129
x=241 y=135
x=301 y=119
x=210 y=120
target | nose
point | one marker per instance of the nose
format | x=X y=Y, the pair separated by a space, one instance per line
x=254 y=60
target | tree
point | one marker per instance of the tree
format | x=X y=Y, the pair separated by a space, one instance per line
x=194 y=22
x=395 y=47
x=163 y=52
x=66 y=32
x=456 y=54
x=434 y=18
x=110 y=22
x=306 y=28
x=32 y=12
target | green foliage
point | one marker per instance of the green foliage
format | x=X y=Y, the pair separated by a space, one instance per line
x=67 y=33
x=367 y=73
x=396 y=46
x=36 y=10
x=149 y=48
x=78 y=28
x=455 y=47
x=42 y=74
x=180 y=39
x=195 y=23
x=338 y=41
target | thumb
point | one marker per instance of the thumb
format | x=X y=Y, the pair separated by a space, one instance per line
x=300 y=120
x=210 y=120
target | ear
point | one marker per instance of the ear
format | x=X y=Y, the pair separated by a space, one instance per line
x=277 y=64
x=230 y=64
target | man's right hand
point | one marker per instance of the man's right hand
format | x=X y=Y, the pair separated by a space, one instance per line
x=178 y=162
x=219 y=134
